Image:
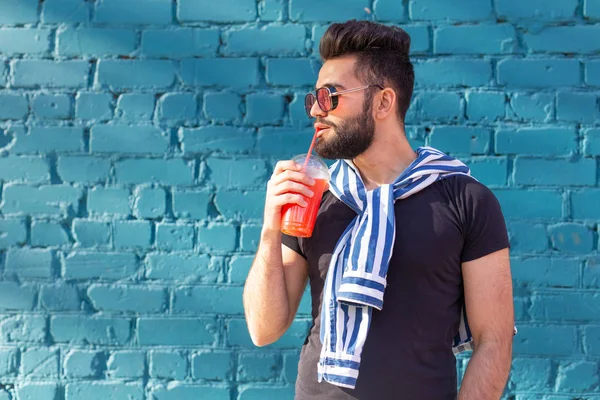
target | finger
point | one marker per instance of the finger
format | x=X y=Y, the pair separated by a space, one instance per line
x=295 y=176
x=295 y=187
x=291 y=198
x=286 y=165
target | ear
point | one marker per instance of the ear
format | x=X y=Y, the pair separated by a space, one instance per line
x=385 y=103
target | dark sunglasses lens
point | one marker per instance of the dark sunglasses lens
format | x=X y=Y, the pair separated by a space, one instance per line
x=324 y=99
x=309 y=100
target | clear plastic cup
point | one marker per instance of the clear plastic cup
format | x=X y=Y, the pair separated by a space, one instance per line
x=300 y=221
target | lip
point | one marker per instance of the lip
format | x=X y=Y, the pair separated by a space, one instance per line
x=320 y=128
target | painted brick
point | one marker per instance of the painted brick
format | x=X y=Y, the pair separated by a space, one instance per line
x=191 y=204
x=591 y=142
x=271 y=10
x=239 y=267
x=128 y=139
x=258 y=367
x=572 y=238
x=537 y=371
x=222 y=107
x=126 y=364
x=174 y=236
x=529 y=171
x=452 y=72
x=278 y=40
x=187 y=268
x=180 y=42
x=83 y=169
x=317 y=34
x=42 y=139
x=103 y=266
x=213 y=365
x=60 y=297
x=238 y=335
x=292 y=71
x=536 y=9
x=24 y=41
x=156 y=12
x=461 y=140
x=489 y=170
x=102 y=390
x=332 y=11
x=39 y=363
x=419 y=38
x=577 y=107
x=234 y=173
x=224 y=11
x=257 y=393
x=461 y=10
x=250 y=237
x=223 y=72
x=389 y=10
x=79 y=329
x=539 y=73
x=47 y=233
x=592 y=73
x=563 y=39
x=8 y=363
x=486 y=106
x=264 y=109
x=24 y=169
x=170 y=171
x=217 y=238
x=135 y=107
x=545 y=272
x=441 y=106
x=50 y=74
x=240 y=205
x=132 y=234
x=34 y=391
x=135 y=74
x=88 y=233
x=579 y=376
x=475 y=39
x=18 y=12
x=591 y=9
x=209 y=299
x=530 y=204
x=65 y=11
x=217 y=138
x=168 y=365
x=84 y=364
x=13 y=105
x=179 y=107
x=565 y=307
x=527 y=238
x=42 y=200
x=536 y=141
x=109 y=201
x=95 y=41
x=46 y=106
x=290 y=367
x=150 y=203
x=532 y=106
x=591 y=340
x=177 y=331
x=29 y=263
x=93 y=106
x=584 y=202
x=552 y=340
x=181 y=391
x=283 y=143
x=24 y=329
x=127 y=298
x=12 y=232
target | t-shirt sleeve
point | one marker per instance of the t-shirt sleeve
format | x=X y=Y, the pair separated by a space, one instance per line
x=484 y=226
x=293 y=243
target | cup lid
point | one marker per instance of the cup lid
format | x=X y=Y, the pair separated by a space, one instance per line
x=316 y=167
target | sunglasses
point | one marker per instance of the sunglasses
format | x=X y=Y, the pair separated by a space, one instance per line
x=327 y=97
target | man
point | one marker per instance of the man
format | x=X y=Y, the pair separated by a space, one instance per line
x=404 y=243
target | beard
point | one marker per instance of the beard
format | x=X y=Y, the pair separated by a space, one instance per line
x=350 y=138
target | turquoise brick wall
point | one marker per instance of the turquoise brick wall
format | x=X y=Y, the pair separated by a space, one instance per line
x=136 y=138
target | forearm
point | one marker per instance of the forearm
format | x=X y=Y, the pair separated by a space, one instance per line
x=487 y=372
x=266 y=301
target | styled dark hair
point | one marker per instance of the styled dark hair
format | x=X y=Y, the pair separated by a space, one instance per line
x=381 y=53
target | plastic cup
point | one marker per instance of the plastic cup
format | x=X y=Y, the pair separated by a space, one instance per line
x=300 y=221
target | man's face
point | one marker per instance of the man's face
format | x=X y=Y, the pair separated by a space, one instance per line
x=351 y=124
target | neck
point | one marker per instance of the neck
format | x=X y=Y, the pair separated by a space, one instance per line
x=387 y=157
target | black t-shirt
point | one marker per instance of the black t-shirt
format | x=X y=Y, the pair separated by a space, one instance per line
x=408 y=350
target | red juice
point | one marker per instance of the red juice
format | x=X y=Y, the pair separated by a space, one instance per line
x=299 y=221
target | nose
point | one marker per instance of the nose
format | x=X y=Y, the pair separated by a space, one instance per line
x=315 y=110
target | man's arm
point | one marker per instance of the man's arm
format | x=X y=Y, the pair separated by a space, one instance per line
x=490 y=312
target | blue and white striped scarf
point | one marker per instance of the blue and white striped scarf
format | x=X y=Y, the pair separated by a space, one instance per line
x=357 y=273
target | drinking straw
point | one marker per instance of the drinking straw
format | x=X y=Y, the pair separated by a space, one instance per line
x=310 y=149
